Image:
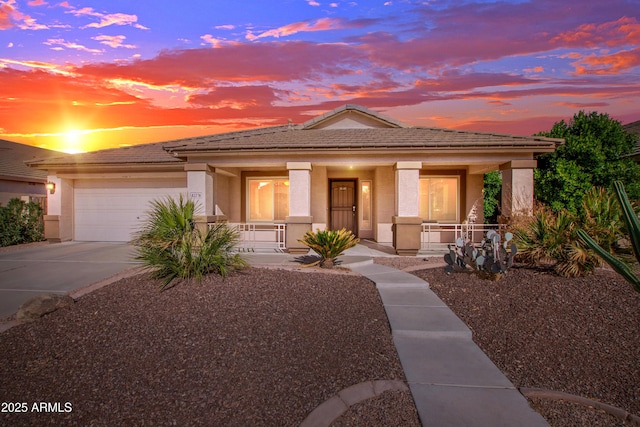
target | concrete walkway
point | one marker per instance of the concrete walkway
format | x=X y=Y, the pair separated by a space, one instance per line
x=452 y=381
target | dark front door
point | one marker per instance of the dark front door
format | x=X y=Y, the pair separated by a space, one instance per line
x=343 y=206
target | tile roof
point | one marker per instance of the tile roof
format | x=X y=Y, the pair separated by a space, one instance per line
x=296 y=138
x=136 y=154
x=12 y=161
x=353 y=107
x=304 y=137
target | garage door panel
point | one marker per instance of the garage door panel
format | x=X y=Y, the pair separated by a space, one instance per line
x=113 y=210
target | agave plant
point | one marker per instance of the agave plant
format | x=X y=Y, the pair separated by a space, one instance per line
x=328 y=244
x=173 y=247
x=633 y=227
x=550 y=239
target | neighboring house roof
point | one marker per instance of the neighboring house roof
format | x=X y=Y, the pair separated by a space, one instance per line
x=12 y=161
x=320 y=133
x=634 y=127
x=138 y=154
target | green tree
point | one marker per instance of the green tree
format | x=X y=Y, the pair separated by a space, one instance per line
x=492 y=194
x=595 y=154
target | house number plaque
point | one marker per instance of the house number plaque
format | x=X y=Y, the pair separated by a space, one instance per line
x=195 y=195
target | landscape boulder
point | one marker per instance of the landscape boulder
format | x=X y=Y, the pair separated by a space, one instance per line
x=40 y=305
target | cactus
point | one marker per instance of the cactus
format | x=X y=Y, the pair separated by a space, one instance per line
x=492 y=259
x=633 y=226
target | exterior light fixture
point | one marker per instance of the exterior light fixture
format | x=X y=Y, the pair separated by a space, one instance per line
x=51 y=186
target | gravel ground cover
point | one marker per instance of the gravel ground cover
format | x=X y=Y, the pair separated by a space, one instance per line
x=261 y=347
x=578 y=336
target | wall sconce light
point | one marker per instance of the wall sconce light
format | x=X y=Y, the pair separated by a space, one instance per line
x=51 y=186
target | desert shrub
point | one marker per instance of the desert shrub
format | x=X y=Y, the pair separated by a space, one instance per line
x=21 y=222
x=632 y=223
x=329 y=244
x=550 y=238
x=173 y=247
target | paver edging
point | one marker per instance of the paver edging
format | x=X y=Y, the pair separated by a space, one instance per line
x=621 y=414
x=328 y=411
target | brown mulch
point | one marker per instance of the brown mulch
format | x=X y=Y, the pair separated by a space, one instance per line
x=261 y=347
x=578 y=336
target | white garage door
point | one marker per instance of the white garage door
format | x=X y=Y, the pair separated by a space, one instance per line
x=110 y=210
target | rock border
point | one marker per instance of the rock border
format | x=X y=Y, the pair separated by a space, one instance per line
x=331 y=409
x=619 y=413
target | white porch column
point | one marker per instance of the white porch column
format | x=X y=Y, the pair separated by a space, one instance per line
x=202 y=190
x=407 y=224
x=299 y=220
x=517 y=187
x=58 y=221
x=299 y=188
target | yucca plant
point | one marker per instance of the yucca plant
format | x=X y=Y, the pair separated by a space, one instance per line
x=550 y=238
x=602 y=217
x=633 y=227
x=172 y=247
x=541 y=241
x=329 y=244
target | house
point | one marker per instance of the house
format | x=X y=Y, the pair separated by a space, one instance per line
x=634 y=127
x=349 y=168
x=17 y=180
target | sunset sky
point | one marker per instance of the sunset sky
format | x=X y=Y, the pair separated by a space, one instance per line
x=81 y=75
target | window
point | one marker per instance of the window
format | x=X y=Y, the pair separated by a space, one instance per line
x=268 y=199
x=365 y=203
x=439 y=198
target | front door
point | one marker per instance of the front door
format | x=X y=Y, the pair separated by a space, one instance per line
x=343 y=205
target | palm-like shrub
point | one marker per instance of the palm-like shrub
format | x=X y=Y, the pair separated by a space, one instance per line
x=603 y=217
x=550 y=239
x=633 y=227
x=329 y=244
x=172 y=247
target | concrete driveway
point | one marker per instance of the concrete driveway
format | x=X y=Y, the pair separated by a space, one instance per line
x=58 y=268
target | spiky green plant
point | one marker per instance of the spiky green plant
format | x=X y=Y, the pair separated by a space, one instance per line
x=541 y=240
x=550 y=238
x=633 y=227
x=329 y=244
x=171 y=245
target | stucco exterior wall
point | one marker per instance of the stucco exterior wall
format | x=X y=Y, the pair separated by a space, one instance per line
x=319 y=197
x=383 y=203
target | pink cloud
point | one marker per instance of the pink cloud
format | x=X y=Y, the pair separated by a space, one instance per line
x=453 y=80
x=238 y=97
x=113 y=41
x=322 y=24
x=6 y=10
x=583 y=105
x=622 y=32
x=107 y=19
x=609 y=64
x=11 y=17
x=255 y=62
x=58 y=44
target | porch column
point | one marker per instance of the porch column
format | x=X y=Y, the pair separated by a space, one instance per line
x=407 y=224
x=299 y=220
x=517 y=188
x=201 y=189
x=58 y=222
